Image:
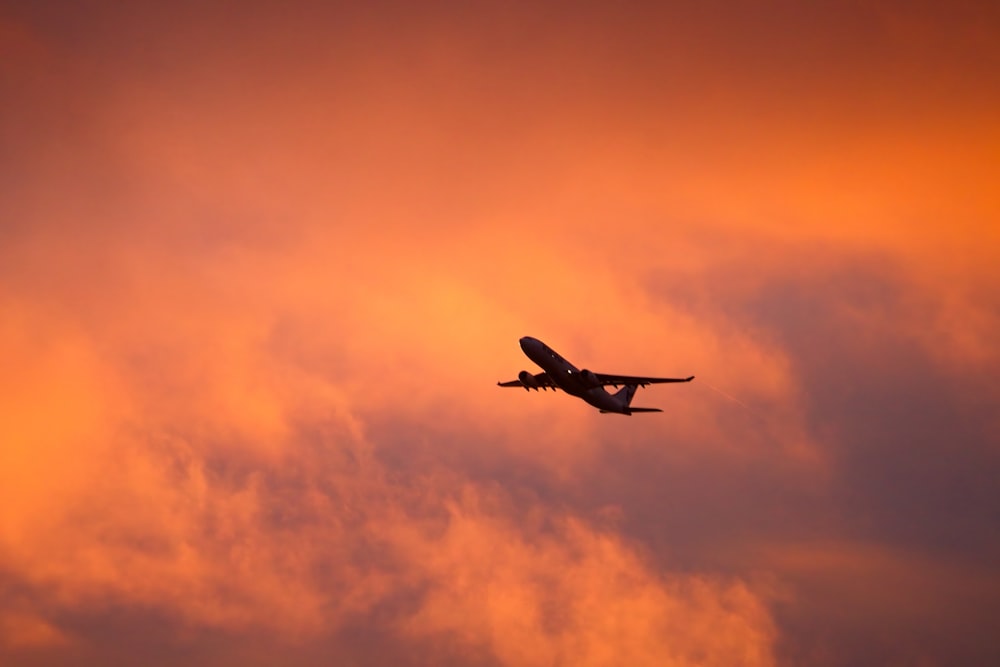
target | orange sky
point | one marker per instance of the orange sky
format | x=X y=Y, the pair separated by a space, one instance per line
x=261 y=267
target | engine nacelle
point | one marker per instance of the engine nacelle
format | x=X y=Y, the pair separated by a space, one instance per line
x=589 y=378
x=527 y=380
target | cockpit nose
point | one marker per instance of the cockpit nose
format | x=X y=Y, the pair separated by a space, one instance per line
x=532 y=347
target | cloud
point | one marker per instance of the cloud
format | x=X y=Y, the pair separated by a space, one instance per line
x=208 y=473
x=259 y=274
x=574 y=595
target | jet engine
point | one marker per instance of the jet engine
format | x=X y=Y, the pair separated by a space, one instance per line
x=528 y=380
x=589 y=378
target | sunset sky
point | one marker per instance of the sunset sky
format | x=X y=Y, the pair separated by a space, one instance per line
x=263 y=263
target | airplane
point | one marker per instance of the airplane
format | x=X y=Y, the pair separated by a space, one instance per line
x=560 y=374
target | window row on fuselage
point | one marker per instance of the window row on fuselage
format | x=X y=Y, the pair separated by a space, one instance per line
x=552 y=353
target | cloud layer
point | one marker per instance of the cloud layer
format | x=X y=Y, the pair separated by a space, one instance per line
x=260 y=269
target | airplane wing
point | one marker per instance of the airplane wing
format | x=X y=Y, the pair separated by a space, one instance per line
x=540 y=381
x=606 y=379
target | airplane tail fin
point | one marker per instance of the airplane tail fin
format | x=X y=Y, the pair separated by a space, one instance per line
x=625 y=394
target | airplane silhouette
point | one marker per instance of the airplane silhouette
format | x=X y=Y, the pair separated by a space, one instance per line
x=585 y=384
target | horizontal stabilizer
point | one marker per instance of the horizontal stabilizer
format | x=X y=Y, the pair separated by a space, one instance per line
x=644 y=410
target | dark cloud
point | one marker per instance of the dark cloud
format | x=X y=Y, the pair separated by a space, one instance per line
x=911 y=443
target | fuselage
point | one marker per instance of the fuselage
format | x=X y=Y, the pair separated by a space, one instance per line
x=568 y=377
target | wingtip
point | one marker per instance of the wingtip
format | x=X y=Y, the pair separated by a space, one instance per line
x=689 y=379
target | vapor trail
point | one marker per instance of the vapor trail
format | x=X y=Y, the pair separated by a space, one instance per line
x=729 y=396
